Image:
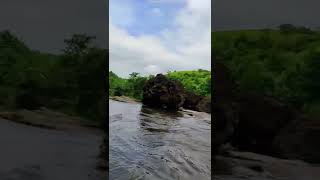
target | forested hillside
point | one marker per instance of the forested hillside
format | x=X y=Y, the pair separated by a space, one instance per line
x=198 y=82
x=70 y=82
x=283 y=63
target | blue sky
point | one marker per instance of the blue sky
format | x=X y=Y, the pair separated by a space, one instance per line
x=156 y=36
x=140 y=17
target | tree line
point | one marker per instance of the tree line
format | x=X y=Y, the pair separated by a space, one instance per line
x=198 y=82
x=71 y=81
x=282 y=63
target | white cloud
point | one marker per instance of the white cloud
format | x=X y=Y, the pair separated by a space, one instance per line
x=199 y=5
x=185 y=47
x=152 y=69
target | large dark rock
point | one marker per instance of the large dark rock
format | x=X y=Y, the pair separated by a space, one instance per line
x=204 y=105
x=191 y=100
x=196 y=102
x=164 y=93
x=224 y=111
x=160 y=92
x=260 y=119
x=299 y=139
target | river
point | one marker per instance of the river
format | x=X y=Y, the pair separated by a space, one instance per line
x=150 y=144
x=32 y=153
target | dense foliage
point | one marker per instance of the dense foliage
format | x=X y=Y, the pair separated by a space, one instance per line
x=70 y=82
x=198 y=82
x=283 y=63
x=131 y=87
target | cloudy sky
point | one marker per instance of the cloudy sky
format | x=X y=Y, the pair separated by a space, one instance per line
x=44 y=24
x=244 y=14
x=156 y=36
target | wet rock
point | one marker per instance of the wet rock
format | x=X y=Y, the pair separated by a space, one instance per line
x=160 y=92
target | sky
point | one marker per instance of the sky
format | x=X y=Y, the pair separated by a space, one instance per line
x=157 y=36
x=44 y=24
x=257 y=14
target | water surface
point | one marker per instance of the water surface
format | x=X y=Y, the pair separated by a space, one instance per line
x=32 y=153
x=152 y=144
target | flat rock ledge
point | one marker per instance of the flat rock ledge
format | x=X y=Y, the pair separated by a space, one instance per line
x=234 y=165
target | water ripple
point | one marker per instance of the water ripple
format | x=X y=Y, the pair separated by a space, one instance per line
x=151 y=144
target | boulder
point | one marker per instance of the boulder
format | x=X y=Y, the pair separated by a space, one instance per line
x=224 y=110
x=191 y=100
x=204 y=105
x=197 y=103
x=299 y=140
x=260 y=119
x=164 y=93
x=161 y=92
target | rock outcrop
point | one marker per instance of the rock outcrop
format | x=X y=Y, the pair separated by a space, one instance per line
x=245 y=165
x=196 y=102
x=225 y=116
x=260 y=119
x=160 y=92
x=164 y=93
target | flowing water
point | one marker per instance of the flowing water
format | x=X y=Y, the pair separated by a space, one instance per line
x=32 y=153
x=152 y=144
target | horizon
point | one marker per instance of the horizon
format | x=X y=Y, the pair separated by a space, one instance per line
x=159 y=73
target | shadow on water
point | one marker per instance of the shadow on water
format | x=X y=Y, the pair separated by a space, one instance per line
x=154 y=144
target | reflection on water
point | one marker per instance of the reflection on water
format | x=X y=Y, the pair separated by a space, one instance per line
x=150 y=144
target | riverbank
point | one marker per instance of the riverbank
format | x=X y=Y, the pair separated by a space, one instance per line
x=49 y=119
x=124 y=99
